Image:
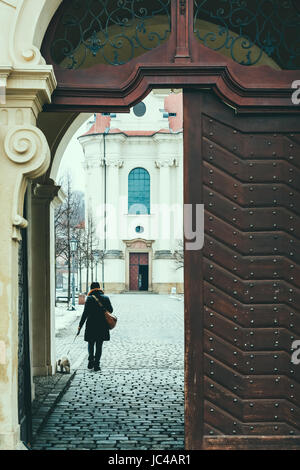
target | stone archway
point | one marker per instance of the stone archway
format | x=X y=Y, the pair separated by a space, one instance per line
x=59 y=129
x=26 y=84
x=29 y=83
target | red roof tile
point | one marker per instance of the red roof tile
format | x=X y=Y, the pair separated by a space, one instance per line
x=139 y=133
x=100 y=125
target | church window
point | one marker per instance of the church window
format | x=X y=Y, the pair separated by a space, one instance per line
x=139 y=191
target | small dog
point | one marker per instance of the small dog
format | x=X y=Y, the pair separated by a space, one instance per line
x=64 y=365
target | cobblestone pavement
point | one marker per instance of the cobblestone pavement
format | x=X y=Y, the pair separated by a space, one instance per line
x=48 y=390
x=137 y=400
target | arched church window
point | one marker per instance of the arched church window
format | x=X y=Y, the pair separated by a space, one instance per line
x=139 y=191
x=111 y=32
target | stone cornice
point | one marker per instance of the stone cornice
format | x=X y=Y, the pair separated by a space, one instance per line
x=166 y=138
x=46 y=191
x=114 y=162
x=146 y=243
x=59 y=198
x=28 y=87
x=5 y=71
x=166 y=162
x=157 y=137
x=92 y=163
x=99 y=137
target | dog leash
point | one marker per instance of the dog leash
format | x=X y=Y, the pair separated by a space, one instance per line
x=72 y=344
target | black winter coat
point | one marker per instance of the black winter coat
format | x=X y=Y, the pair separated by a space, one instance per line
x=96 y=324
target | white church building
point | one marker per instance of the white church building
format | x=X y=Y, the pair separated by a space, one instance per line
x=133 y=167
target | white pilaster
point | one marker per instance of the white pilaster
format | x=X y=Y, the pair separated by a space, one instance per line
x=165 y=202
x=42 y=288
x=113 y=165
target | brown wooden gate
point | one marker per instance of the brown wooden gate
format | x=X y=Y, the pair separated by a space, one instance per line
x=136 y=281
x=242 y=291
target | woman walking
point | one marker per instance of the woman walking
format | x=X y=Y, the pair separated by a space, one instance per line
x=96 y=330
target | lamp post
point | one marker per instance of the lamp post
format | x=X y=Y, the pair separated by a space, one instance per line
x=73 y=247
x=96 y=256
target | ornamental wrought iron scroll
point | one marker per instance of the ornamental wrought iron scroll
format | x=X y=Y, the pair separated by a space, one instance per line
x=91 y=32
x=251 y=32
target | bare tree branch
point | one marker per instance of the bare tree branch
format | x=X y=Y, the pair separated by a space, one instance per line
x=179 y=255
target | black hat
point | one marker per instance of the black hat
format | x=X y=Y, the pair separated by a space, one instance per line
x=95 y=285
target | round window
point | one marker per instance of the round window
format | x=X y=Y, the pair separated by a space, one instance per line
x=139 y=229
x=139 y=109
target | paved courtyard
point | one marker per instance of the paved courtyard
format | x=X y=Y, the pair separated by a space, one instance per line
x=137 y=400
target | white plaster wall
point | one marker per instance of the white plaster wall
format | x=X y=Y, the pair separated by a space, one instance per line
x=114 y=271
x=165 y=271
x=152 y=120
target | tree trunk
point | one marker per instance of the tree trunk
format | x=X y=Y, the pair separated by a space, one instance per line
x=87 y=276
x=80 y=275
x=69 y=264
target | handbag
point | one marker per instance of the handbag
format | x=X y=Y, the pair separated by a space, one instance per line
x=110 y=318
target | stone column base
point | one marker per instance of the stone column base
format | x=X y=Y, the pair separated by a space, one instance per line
x=43 y=371
x=11 y=441
x=114 y=287
x=20 y=446
x=166 y=287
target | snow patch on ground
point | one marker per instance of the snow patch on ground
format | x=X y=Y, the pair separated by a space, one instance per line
x=65 y=318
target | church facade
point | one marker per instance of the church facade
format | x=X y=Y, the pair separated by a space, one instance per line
x=133 y=167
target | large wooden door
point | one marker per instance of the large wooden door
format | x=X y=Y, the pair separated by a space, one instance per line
x=138 y=271
x=242 y=291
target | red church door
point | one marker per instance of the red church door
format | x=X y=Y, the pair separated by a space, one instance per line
x=138 y=269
